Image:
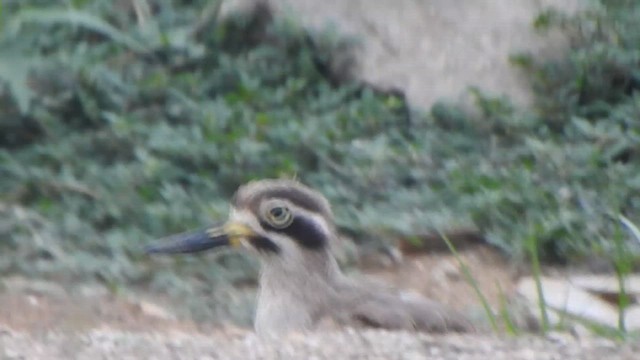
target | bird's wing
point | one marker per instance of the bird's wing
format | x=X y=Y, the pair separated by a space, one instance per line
x=377 y=313
x=383 y=307
x=429 y=315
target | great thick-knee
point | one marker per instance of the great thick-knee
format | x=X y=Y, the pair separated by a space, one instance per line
x=290 y=227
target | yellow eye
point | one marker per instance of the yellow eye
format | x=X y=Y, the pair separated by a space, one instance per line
x=279 y=216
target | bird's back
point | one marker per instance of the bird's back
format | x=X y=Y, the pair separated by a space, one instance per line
x=373 y=304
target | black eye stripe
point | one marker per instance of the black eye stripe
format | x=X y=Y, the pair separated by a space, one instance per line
x=264 y=244
x=303 y=231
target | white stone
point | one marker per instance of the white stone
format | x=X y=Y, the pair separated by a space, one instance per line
x=562 y=296
x=607 y=284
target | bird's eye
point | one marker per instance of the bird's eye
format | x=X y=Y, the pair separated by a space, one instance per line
x=279 y=216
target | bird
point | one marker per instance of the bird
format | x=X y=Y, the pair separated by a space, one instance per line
x=290 y=228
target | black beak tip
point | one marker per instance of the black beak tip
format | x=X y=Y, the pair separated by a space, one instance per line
x=151 y=249
x=187 y=243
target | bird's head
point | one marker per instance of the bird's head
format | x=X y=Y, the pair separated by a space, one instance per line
x=280 y=219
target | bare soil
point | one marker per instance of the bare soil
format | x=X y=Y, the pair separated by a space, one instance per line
x=34 y=306
x=41 y=320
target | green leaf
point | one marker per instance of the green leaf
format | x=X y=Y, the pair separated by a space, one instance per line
x=53 y=16
x=14 y=72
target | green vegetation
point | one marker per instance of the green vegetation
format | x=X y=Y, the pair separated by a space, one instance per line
x=119 y=125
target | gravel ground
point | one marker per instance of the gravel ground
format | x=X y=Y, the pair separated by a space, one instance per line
x=347 y=344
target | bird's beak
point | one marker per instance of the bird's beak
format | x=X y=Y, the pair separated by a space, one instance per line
x=230 y=234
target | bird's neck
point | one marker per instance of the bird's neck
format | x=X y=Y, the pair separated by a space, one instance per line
x=295 y=293
x=299 y=272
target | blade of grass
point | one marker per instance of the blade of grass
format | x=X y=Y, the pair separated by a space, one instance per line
x=472 y=281
x=532 y=247
x=504 y=313
x=623 y=265
x=631 y=226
